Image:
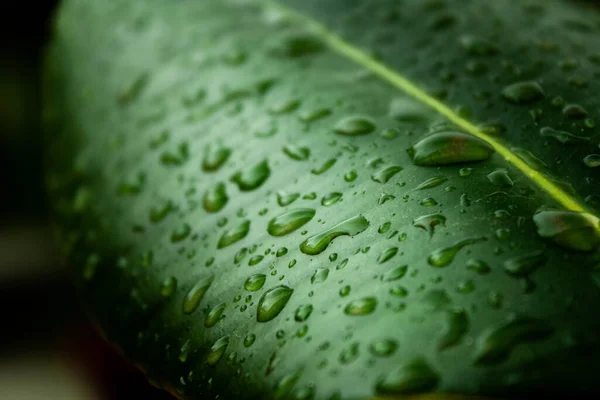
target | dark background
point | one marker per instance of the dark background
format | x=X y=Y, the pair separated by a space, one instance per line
x=47 y=348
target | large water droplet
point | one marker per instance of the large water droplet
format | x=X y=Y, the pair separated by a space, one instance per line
x=525 y=92
x=449 y=148
x=573 y=230
x=272 y=303
x=215 y=156
x=363 y=306
x=234 y=234
x=386 y=173
x=255 y=282
x=318 y=243
x=415 y=376
x=444 y=256
x=290 y=221
x=253 y=177
x=496 y=344
x=196 y=293
x=354 y=126
x=215 y=198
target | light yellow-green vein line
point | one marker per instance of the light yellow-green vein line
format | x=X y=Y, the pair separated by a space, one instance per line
x=353 y=53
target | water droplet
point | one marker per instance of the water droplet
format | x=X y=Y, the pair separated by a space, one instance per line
x=431 y=183
x=176 y=158
x=234 y=234
x=344 y=291
x=297 y=153
x=415 y=376
x=405 y=109
x=214 y=315
x=253 y=177
x=395 y=274
x=383 y=228
x=457 y=326
x=249 y=340
x=324 y=167
x=499 y=177
x=168 y=286
x=193 y=298
x=386 y=173
x=290 y=221
x=354 y=126
x=285 y=385
x=562 y=136
x=572 y=230
x=383 y=347
x=592 y=160
x=217 y=350
x=91 y=264
x=285 y=106
x=215 y=198
x=255 y=282
x=215 y=156
x=389 y=133
x=181 y=233
x=184 y=351
x=428 y=202
x=525 y=92
x=157 y=214
x=496 y=344
x=282 y=251
x=285 y=199
x=318 y=243
x=444 y=256
x=429 y=222
x=479 y=266
x=387 y=254
x=303 y=312
x=529 y=158
x=320 y=275
x=363 y=306
x=313 y=115
x=255 y=260
x=350 y=354
x=299 y=45
x=331 y=199
x=522 y=266
x=478 y=46
x=449 y=148
x=574 y=111
x=272 y=303
x=350 y=176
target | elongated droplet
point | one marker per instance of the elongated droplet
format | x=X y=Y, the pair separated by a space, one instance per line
x=234 y=235
x=354 y=126
x=320 y=275
x=215 y=198
x=457 y=326
x=592 y=160
x=431 y=183
x=285 y=106
x=395 y=274
x=214 y=315
x=313 y=115
x=168 y=286
x=529 y=158
x=386 y=173
x=318 y=243
x=290 y=221
x=499 y=177
x=255 y=282
x=303 y=312
x=215 y=156
x=572 y=230
x=297 y=153
x=563 y=137
x=253 y=177
x=193 y=298
x=444 y=256
x=272 y=303
x=217 y=350
x=429 y=222
x=285 y=199
x=478 y=46
x=415 y=376
x=331 y=199
x=387 y=254
x=523 y=265
x=525 y=92
x=324 y=167
x=363 y=306
x=449 y=148
x=496 y=344
x=383 y=347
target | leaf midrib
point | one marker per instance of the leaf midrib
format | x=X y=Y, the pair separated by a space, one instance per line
x=393 y=77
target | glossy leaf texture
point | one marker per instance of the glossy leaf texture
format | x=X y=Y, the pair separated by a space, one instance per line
x=337 y=199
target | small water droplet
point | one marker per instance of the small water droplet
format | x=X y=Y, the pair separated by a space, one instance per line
x=318 y=243
x=255 y=282
x=249 y=340
x=215 y=198
x=253 y=177
x=168 y=286
x=320 y=275
x=324 y=167
x=415 y=376
x=313 y=115
x=383 y=347
x=431 y=183
x=331 y=199
x=363 y=306
x=525 y=92
x=386 y=173
x=215 y=156
x=499 y=177
x=478 y=46
x=592 y=160
x=217 y=350
x=395 y=274
x=428 y=202
x=354 y=126
x=194 y=296
x=284 y=106
x=383 y=228
x=272 y=303
x=234 y=234
x=429 y=222
x=521 y=266
x=303 y=312
x=350 y=176
x=285 y=199
x=214 y=315
x=479 y=266
x=448 y=148
x=387 y=254
x=290 y=221
x=297 y=153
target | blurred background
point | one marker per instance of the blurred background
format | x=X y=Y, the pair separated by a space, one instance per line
x=47 y=348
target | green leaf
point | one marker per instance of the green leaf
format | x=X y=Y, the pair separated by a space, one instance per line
x=332 y=199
